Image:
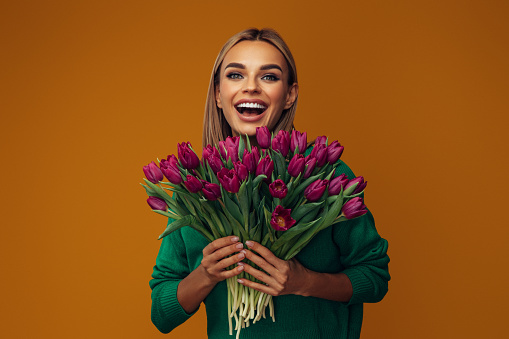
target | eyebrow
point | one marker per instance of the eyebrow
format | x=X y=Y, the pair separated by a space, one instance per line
x=263 y=68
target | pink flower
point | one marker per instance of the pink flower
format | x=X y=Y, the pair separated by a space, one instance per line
x=281 y=219
x=334 y=152
x=336 y=184
x=188 y=158
x=153 y=173
x=263 y=136
x=278 y=189
x=211 y=191
x=281 y=143
x=229 y=180
x=354 y=208
x=299 y=140
x=157 y=203
x=315 y=190
x=193 y=184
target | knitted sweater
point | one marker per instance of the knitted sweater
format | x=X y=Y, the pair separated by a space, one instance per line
x=352 y=247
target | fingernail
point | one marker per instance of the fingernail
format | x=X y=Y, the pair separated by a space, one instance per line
x=240 y=268
x=249 y=243
x=240 y=255
x=235 y=239
x=240 y=263
x=240 y=246
x=243 y=251
x=240 y=281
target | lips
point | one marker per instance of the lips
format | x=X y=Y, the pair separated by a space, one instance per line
x=250 y=106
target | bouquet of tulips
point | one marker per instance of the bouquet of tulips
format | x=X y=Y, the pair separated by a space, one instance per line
x=271 y=194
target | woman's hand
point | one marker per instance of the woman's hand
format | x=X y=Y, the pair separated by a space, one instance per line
x=280 y=276
x=216 y=258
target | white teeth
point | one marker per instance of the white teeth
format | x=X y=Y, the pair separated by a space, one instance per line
x=251 y=105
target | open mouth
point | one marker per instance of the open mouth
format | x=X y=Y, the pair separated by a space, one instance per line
x=250 y=108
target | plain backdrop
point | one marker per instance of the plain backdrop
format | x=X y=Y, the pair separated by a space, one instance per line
x=91 y=91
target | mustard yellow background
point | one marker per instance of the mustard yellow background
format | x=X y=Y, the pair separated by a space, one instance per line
x=91 y=91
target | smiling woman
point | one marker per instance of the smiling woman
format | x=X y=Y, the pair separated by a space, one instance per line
x=254 y=84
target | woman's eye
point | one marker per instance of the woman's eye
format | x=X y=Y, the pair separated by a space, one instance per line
x=270 y=77
x=234 y=76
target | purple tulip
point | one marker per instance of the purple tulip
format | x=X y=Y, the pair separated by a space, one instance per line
x=337 y=183
x=241 y=170
x=354 y=208
x=266 y=167
x=263 y=136
x=211 y=191
x=319 y=152
x=361 y=185
x=278 y=189
x=315 y=190
x=311 y=164
x=188 y=158
x=153 y=173
x=215 y=163
x=334 y=152
x=250 y=160
x=210 y=150
x=297 y=165
x=321 y=140
x=193 y=184
x=157 y=203
x=281 y=219
x=299 y=140
x=281 y=143
x=170 y=160
x=172 y=173
x=229 y=180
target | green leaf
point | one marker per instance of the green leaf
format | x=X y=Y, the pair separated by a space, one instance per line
x=301 y=211
x=242 y=146
x=292 y=233
x=258 y=179
x=231 y=206
x=168 y=214
x=244 y=203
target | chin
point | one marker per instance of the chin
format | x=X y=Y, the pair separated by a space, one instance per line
x=249 y=130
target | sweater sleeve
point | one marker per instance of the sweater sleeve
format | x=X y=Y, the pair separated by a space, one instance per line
x=171 y=267
x=363 y=254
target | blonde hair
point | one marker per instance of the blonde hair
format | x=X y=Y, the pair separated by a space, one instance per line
x=215 y=126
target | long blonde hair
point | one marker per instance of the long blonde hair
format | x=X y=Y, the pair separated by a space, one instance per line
x=215 y=126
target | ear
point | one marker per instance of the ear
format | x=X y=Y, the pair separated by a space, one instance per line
x=218 y=98
x=293 y=92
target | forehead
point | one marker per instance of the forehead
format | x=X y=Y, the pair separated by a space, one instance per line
x=255 y=54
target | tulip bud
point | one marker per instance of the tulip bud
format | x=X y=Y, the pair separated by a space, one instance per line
x=337 y=183
x=299 y=140
x=211 y=191
x=215 y=163
x=241 y=170
x=334 y=152
x=266 y=167
x=250 y=160
x=281 y=143
x=354 y=208
x=153 y=173
x=193 y=184
x=210 y=150
x=170 y=160
x=157 y=203
x=278 y=189
x=263 y=136
x=315 y=190
x=187 y=157
x=281 y=219
x=355 y=186
x=310 y=166
x=172 y=173
x=321 y=140
x=229 y=180
x=319 y=152
x=296 y=165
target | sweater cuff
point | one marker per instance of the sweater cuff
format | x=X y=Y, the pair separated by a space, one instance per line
x=170 y=305
x=361 y=286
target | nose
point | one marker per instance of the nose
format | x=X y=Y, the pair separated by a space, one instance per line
x=251 y=85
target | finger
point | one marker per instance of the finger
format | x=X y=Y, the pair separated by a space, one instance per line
x=261 y=262
x=231 y=273
x=224 y=252
x=265 y=253
x=259 y=287
x=262 y=276
x=219 y=243
x=226 y=262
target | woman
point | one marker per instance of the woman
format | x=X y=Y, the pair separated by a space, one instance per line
x=320 y=292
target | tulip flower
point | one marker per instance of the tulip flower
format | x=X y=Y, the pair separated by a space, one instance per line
x=229 y=180
x=211 y=191
x=250 y=160
x=354 y=208
x=193 y=184
x=263 y=136
x=188 y=158
x=319 y=152
x=153 y=173
x=281 y=142
x=210 y=150
x=266 y=167
x=334 y=152
x=170 y=160
x=241 y=170
x=297 y=165
x=310 y=163
x=337 y=183
x=299 y=140
x=321 y=140
x=278 y=189
x=360 y=186
x=315 y=190
x=157 y=203
x=281 y=219
x=215 y=163
x=172 y=173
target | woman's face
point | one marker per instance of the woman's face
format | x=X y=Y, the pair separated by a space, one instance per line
x=253 y=87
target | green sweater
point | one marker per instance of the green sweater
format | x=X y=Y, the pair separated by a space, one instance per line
x=352 y=247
